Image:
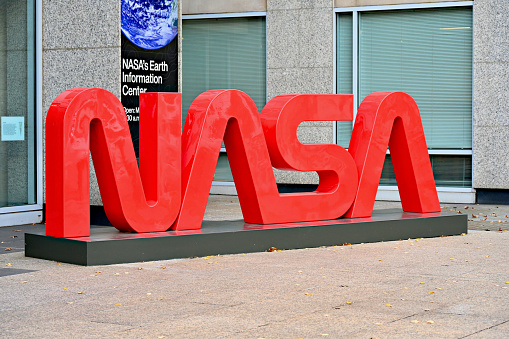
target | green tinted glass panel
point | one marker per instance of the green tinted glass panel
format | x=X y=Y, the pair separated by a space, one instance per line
x=344 y=71
x=224 y=53
x=227 y=53
x=448 y=170
x=428 y=54
x=223 y=172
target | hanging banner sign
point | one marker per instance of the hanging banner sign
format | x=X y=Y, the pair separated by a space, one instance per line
x=149 y=53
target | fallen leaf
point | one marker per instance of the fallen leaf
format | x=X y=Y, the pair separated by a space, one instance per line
x=307 y=294
x=118 y=304
x=8 y=249
x=431 y=301
x=80 y=292
x=415 y=321
x=348 y=302
x=9 y=265
x=431 y=291
x=272 y=249
x=388 y=305
x=430 y=322
x=421 y=283
x=24 y=282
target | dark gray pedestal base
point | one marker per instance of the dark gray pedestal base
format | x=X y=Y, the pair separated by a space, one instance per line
x=106 y=245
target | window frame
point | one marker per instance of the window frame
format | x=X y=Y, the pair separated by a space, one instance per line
x=14 y=215
x=355 y=11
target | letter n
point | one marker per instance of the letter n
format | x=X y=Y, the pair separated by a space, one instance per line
x=91 y=120
x=392 y=119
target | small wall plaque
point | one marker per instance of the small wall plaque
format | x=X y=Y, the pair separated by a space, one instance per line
x=13 y=128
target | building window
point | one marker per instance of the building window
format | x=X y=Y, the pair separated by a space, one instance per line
x=223 y=53
x=18 y=164
x=427 y=53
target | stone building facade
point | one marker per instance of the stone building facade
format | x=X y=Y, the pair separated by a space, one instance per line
x=67 y=44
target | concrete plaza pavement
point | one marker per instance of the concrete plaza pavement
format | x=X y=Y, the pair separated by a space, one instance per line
x=449 y=287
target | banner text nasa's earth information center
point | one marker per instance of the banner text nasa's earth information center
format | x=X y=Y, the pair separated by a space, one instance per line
x=149 y=53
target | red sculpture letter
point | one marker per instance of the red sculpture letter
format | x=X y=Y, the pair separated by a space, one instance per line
x=334 y=165
x=85 y=120
x=392 y=119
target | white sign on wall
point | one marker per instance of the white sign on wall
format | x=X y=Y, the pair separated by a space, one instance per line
x=12 y=128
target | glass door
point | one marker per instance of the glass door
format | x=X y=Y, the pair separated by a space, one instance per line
x=18 y=123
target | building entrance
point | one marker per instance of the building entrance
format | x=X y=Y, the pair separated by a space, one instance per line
x=20 y=197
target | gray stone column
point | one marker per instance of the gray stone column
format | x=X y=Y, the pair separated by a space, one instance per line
x=491 y=94
x=81 y=48
x=300 y=60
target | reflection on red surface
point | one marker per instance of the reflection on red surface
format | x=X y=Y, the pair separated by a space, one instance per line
x=154 y=196
x=392 y=119
x=91 y=120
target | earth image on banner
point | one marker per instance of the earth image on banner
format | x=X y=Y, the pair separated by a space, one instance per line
x=149 y=24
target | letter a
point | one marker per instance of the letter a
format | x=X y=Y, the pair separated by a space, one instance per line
x=91 y=120
x=392 y=119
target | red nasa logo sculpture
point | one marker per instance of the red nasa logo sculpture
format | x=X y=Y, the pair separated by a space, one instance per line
x=169 y=188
